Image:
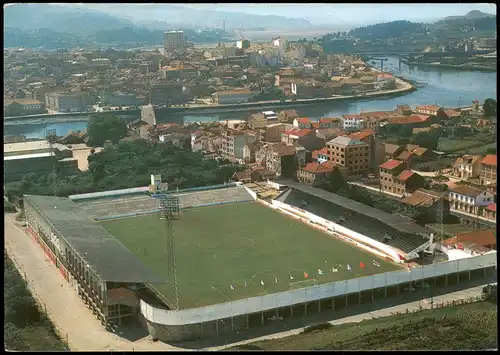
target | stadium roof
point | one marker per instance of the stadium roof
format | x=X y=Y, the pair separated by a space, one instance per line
x=112 y=193
x=405 y=234
x=109 y=259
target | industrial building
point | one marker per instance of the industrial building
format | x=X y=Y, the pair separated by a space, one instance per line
x=36 y=157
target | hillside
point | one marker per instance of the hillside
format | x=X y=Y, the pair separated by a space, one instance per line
x=395 y=29
x=471 y=15
x=76 y=21
x=468 y=327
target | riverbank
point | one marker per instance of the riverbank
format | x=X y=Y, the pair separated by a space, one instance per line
x=405 y=87
x=468 y=67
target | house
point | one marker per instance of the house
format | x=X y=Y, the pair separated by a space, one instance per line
x=396 y=179
x=233 y=97
x=392 y=151
x=351 y=122
x=329 y=122
x=281 y=159
x=488 y=170
x=315 y=173
x=287 y=116
x=449 y=114
x=467 y=167
x=431 y=110
x=273 y=131
x=71 y=138
x=483 y=238
x=21 y=107
x=430 y=200
x=320 y=155
x=247 y=176
x=305 y=137
x=413 y=121
x=469 y=204
x=249 y=152
x=257 y=120
x=350 y=153
x=403 y=110
x=302 y=123
x=407 y=157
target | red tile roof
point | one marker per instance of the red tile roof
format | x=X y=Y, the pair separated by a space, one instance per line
x=391 y=164
x=492 y=207
x=490 y=159
x=322 y=151
x=376 y=113
x=408 y=119
x=481 y=237
x=362 y=135
x=405 y=175
x=303 y=120
x=405 y=155
x=316 y=125
x=329 y=119
x=298 y=132
x=316 y=168
x=352 y=116
x=452 y=113
x=428 y=108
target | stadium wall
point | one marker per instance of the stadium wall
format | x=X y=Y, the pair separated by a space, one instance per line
x=175 y=325
x=251 y=193
x=348 y=235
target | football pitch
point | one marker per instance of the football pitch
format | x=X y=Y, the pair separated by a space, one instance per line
x=230 y=252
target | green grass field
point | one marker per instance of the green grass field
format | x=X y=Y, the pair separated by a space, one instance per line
x=239 y=244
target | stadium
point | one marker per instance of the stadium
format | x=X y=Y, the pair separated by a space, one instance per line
x=230 y=260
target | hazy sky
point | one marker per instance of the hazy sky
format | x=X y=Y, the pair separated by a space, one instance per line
x=353 y=13
x=328 y=13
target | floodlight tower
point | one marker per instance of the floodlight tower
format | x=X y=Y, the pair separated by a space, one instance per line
x=50 y=137
x=169 y=207
x=439 y=212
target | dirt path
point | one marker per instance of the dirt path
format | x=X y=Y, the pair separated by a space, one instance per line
x=67 y=311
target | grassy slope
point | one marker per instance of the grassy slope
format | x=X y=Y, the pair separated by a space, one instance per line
x=468 y=327
x=231 y=244
x=37 y=335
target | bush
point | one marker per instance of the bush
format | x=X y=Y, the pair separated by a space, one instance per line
x=315 y=327
x=8 y=207
x=490 y=293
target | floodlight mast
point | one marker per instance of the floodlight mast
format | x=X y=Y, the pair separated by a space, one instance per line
x=167 y=204
x=50 y=137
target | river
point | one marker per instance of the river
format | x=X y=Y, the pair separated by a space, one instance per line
x=444 y=87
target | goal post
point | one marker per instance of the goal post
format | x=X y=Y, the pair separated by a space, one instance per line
x=303 y=284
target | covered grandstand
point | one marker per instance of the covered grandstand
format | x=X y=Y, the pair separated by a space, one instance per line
x=100 y=268
x=380 y=226
x=122 y=204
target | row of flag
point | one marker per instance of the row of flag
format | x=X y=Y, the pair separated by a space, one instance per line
x=306 y=275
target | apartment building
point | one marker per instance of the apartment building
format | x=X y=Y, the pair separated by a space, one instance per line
x=488 y=170
x=472 y=205
x=396 y=179
x=302 y=123
x=467 y=167
x=233 y=143
x=350 y=153
x=377 y=148
x=174 y=40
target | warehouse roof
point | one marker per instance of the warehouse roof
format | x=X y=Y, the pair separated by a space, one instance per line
x=405 y=234
x=28 y=156
x=109 y=259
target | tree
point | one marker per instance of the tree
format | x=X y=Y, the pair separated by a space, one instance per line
x=334 y=182
x=490 y=108
x=427 y=140
x=101 y=128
